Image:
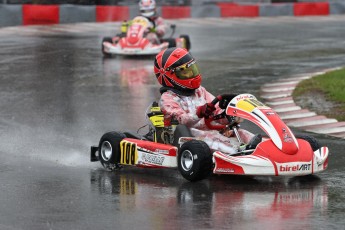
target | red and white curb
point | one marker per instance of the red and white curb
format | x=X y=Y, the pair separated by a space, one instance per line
x=278 y=96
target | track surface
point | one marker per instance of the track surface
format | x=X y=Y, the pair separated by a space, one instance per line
x=58 y=96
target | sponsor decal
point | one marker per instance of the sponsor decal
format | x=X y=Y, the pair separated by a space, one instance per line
x=152 y=159
x=254 y=102
x=185 y=139
x=225 y=170
x=244 y=96
x=162 y=151
x=286 y=137
x=270 y=113
x=299 y=167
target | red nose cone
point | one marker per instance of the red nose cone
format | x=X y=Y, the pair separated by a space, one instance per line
x=133 y=40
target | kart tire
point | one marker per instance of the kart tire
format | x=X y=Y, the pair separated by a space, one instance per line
x=109 y=150
x=106 y=39
x=187 y=42
x=314 y=144
x=195 y=160
x=170 y=41
x=181 y=131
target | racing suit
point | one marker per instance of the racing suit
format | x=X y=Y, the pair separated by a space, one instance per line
x=183 y=109
x=159 y=27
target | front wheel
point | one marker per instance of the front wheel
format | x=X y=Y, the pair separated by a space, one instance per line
x=109 y=150
x=171 y=42
x=106 y=39
x=314 y=144
x=186 y=42
x=195 y=160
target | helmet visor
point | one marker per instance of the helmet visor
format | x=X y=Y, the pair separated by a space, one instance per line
x=187 y=71
x=145 y=11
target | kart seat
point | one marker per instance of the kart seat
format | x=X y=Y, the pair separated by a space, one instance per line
x=181 y=131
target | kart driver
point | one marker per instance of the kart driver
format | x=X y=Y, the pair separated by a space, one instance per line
x=184 y=99
x=148 y=10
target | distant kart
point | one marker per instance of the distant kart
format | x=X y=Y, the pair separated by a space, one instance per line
x=281 y=153
x=133 y=41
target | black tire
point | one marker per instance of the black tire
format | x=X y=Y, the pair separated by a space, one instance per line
x=315 y=145
x=109 y=150
x=181 y=131
x=171 y=41
x=195 y=160
x=106 y=39
x=188 y=45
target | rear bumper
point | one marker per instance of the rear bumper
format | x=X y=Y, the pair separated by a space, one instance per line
x=93 y=155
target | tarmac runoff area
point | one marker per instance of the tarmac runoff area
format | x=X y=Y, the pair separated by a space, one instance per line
x=278 y=96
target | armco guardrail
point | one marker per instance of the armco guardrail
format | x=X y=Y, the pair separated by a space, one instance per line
x=27 y=14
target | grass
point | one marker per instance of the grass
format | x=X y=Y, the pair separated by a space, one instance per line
x=330 y=86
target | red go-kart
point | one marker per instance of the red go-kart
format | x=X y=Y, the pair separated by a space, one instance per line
x=280 y=153
x=133 y=41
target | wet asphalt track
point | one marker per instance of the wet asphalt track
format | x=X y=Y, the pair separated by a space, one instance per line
x=58 y=96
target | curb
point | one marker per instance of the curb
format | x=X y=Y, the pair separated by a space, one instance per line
x=278 y=96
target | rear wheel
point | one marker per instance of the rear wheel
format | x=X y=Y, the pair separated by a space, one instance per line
x=109 y=150
x=315 y=145
x=195 y=160
x=170 y=41
x=106 y=39
x=181 y=131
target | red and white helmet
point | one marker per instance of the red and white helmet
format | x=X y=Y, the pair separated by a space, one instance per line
x=176 y=69
x=147 y=8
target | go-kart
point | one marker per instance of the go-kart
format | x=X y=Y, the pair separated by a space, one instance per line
x=133 y=40
x=280 y=153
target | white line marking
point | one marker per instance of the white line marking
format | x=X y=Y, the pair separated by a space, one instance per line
x=275 y=96
x=280 y=83
x=297 y=115
x=273 y=103
x=287 y=109
x=328 y=131
x=312 y=122
x=276 y=89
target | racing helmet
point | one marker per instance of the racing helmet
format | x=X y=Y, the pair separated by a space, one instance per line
x=147 y=8
x=176 y=69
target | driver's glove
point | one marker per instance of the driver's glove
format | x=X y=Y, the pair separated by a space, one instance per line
x=226 y=98
x=150 y=30
x=205 y=110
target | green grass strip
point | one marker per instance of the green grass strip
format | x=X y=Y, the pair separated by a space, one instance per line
x=332 y=86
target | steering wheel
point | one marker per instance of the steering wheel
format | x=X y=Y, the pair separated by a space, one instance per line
x=223 y=101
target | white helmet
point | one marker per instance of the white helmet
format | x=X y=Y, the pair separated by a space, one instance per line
x=147 y=7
